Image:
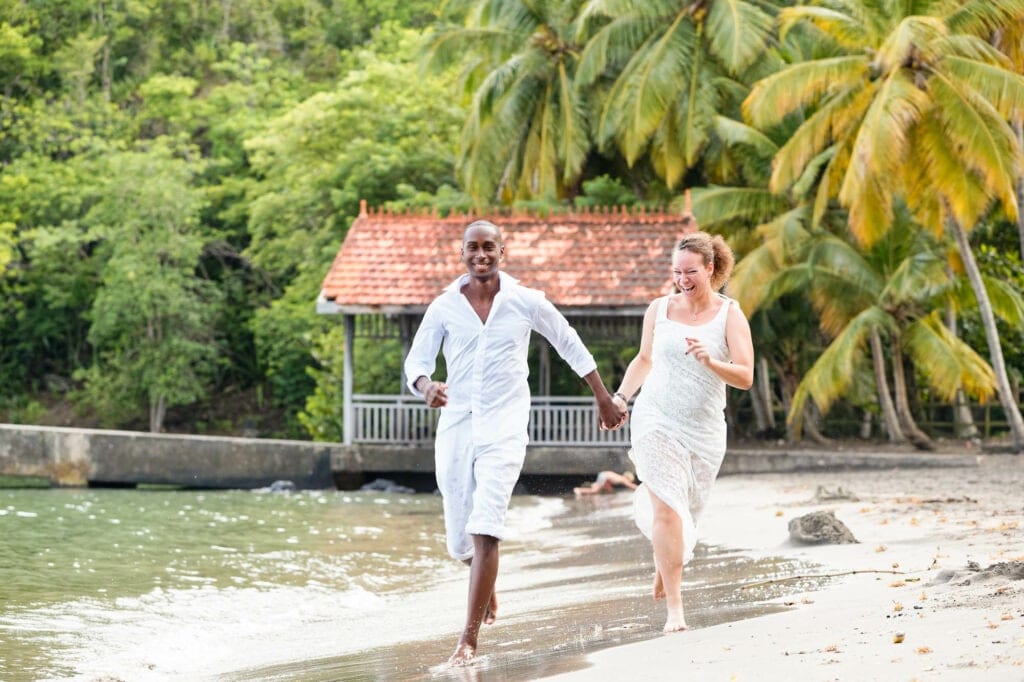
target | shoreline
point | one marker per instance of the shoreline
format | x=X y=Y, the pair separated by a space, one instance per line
x=911 y=600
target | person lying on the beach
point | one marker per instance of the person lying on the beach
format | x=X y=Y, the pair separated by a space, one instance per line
x=606 y=482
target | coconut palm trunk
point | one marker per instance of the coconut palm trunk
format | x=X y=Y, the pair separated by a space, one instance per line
x=757 y=403
x=917 y=437
x=988 y=321
x=1018 y=129
x=963 y=420
x=890 y=420
x=761 y=398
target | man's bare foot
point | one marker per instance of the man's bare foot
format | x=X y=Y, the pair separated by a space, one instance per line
x=659 y=587
x=464 y=655
x=491 y=614
x=676 y=622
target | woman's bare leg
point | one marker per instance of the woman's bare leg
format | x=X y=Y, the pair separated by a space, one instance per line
x=483 y=573
x=659 y=585
x=667 y=538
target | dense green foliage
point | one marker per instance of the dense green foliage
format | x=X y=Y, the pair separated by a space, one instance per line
x=176 y=177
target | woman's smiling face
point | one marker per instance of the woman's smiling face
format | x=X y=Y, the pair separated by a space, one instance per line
x=690 y=274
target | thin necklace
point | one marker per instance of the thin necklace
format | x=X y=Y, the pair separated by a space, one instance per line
x=695 y=313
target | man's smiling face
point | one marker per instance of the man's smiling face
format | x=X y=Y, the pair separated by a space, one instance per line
x=482 y=250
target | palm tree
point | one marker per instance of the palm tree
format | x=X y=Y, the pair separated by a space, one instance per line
x=527 y=132
x=918 y=107
x=1009 y=39
x=900 y=275
x=665 y=68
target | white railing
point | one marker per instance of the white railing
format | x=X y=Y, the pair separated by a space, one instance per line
x=405 y=419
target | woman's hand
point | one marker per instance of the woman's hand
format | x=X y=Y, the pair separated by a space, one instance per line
x=621 y=415
x=697 y=349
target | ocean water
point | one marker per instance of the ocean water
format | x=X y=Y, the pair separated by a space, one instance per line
x=100 y=584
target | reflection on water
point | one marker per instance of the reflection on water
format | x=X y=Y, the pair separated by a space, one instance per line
x=324 y=585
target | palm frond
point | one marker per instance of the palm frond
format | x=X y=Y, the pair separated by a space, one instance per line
x=831 y=179
x=916 y=278
x=667 y=147
x=611 y=47
x=645 y=89
x=574 y=130
x=834 y=120
x=986 y=142
x=800 y=86
x=768 y=272
x=1003 y=88
x=880 y=146
x=738 y=33
x=843 y=283
x=805 y=184
x=946 y=362
x=720 y=205
x=938 y=181
x=1007 y=301
x=912 y=38
x=970 y=47
x=984 y=17
x=737 y=133
x=839 y=26
x=747 y=283
x=830 y=375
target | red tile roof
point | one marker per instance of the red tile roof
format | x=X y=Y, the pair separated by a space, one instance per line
x=609 y=259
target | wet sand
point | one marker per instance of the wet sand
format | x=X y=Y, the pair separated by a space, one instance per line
x=580 y=586
x=932 y=591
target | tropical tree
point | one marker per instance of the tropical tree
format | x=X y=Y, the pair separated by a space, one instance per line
x=527 y=134
x=918 y=107
x=665 y=68
x=381 y=135
x=151 y=317
x=794 y=260
x=1009 y=39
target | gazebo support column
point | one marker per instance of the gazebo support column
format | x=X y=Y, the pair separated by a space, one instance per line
x=348 y=411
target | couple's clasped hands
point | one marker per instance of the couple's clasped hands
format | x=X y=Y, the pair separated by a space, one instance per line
x=613 y=414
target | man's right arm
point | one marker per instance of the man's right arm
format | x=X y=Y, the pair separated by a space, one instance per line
x=422 y=358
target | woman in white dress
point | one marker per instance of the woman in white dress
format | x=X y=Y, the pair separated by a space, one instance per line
x=694 y=343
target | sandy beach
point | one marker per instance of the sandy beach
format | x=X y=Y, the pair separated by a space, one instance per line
x=932 y=590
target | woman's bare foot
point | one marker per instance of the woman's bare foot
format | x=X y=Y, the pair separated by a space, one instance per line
x=676 y=622
x=464 y=655
x=491 y=614
x=659 y=587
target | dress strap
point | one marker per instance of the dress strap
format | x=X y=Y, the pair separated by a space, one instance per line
x=724 y=309
x=662 y=309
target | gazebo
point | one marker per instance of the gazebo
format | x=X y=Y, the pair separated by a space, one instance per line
x=600 y=267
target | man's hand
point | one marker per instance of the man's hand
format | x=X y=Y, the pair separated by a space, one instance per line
x=613 y=414
x=436 y=394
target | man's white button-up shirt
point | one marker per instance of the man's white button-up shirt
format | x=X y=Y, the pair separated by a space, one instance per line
x=487 y=361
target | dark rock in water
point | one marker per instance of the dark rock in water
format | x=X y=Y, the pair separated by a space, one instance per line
x=820 y=528
x=387 y=486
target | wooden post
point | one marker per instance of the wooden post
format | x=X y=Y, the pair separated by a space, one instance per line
x=348 y=409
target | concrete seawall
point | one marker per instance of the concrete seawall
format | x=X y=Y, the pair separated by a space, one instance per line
x=81 y=457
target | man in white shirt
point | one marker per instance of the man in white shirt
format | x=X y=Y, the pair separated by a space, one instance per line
x=482 y=321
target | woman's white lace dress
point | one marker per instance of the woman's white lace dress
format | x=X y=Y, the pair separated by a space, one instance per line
x=678 y=423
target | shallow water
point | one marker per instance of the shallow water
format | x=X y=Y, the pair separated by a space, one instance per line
x=326 y=585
